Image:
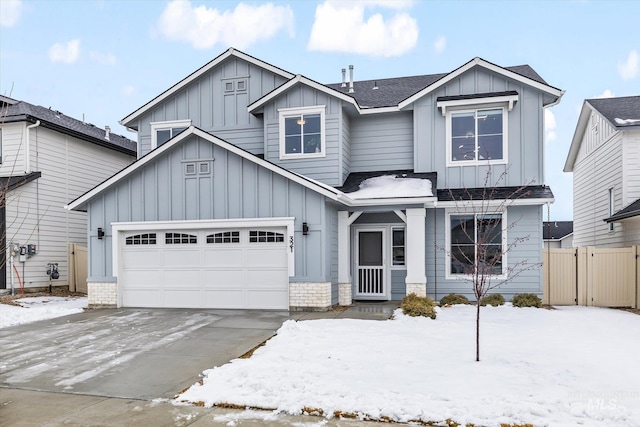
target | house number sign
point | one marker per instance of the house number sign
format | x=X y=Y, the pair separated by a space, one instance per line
x=291 y=243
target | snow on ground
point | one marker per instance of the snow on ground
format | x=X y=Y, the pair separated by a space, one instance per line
x=39 y=308
x=564 y=367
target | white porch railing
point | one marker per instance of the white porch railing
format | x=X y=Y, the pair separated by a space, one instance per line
x=370 y=281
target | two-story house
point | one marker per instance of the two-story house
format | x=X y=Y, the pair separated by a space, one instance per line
x=46 y=158
x=258 y=188
x=605 y=160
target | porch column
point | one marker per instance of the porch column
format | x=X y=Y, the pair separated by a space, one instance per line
x=344 y=259
x=416 y=278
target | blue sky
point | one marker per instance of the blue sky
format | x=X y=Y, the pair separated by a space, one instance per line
x=104 y=59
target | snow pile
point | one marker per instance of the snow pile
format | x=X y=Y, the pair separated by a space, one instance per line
x=391 y=186
x=564 y=367
x=33 y=309
x=627 y=121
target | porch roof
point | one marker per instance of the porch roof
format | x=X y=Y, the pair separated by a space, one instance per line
x=526 y=193
x=628 y=212
x=353 y=181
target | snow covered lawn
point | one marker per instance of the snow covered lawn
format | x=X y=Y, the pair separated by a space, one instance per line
x=565 y=367
x=32 y=309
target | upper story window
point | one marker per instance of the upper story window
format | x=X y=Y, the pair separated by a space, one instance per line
x=161 y=132
x=302 y=132
x=477 y=135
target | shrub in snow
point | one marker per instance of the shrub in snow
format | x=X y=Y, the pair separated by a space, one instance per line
x=452 y=299
x=413 y=305
x=493 y=300
x=526 y=300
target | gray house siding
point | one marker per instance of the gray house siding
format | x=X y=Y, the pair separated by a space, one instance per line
x=527 y=221
x=326 y=169
x=210 y=107
x=382 y=142
x=235 y=188
x=398 y=284
x=346 y=147
x=525 y=133
x=332 y=236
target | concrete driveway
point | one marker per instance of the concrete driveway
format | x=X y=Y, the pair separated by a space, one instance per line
x=129 y=353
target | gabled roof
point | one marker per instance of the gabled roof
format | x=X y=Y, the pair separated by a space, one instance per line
x=382 y=95
x=80 y=202
x=621 y=113
x=19 y=111
x=128 y=120
x=630 y=211
x=556 y=230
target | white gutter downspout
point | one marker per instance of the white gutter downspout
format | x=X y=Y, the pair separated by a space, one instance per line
x=27 y=147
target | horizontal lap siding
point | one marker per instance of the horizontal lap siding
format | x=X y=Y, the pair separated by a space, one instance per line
x=36 y=213
x=383 y=142
x=13 y=135
x=237 y=188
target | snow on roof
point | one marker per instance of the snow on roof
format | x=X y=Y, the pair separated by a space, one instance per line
x=388 y=186
x=627 y=121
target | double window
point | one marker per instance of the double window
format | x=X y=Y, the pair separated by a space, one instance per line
x=477 y=135
x=161 y=132
x=302 y=132
x=476 y=242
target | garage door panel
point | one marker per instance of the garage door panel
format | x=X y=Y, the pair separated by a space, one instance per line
x=222 y=279
x=143 y=278
x=231 y=298
x=181 y=257
x=267 y=299
x=142 y=258
x=266 y=279
x=142 y=298
x=266 y=257
x=238 y=273
x=183 y=298
x=223 y=257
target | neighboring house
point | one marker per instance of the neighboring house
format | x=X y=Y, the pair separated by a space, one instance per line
x=46 y=158
x=605 y=160
x=558 y=234
x=258 y=188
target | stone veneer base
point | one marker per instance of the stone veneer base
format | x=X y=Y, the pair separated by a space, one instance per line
x=102 y=294
x=420 y=289
x=309 y=296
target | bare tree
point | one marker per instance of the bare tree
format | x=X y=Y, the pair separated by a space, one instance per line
x=478 y=245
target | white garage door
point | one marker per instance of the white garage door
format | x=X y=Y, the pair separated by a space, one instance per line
x=229 y=268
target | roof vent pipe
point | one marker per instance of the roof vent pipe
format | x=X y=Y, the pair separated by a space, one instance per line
x=350 y=78
x=107 y=131
x=375 y=85
x=344 y=77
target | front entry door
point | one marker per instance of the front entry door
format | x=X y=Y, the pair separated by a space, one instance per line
x=370 y=264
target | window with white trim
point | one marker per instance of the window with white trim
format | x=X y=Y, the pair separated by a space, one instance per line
x=475 y=240
x=302 y=132
x=611 y=207
x=477 y=135
x=398 y=247
x=161 y=132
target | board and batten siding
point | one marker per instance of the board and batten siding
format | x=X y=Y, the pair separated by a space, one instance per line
x=593 y=175
x=382 y=142
x=209 y=107
x=327 y=169
x=346 y=146
x=35 y=211
x=234 y=188
x=525 y=133
x=526 y=221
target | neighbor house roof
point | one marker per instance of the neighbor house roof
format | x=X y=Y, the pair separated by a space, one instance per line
x=622 y=113
x=18 y=111
x=557 y=230
x=628 y=212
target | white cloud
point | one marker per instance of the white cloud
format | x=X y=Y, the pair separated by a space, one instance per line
x=341 y=27
x=549 y=125
x=606 y=94
x=203 y=27
x=10 y=11
x=440 y=44
x=67 y=53
x=103 y=58
x=127 y=90
x=629 y=68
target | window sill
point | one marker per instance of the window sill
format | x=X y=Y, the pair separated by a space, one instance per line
x=301 y=156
